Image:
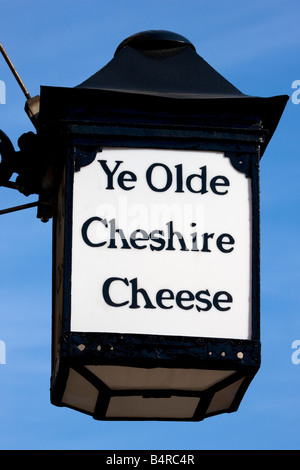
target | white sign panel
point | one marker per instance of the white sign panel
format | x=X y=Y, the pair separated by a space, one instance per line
x=161 y=245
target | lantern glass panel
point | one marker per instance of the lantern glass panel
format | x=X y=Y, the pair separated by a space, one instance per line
x=122 y=378
x=163 y=408
x=224 y=398
x=80 y=393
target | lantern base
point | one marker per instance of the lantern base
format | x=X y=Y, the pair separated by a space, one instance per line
x=137 y=386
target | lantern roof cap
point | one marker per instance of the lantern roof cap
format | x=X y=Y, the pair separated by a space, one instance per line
x=160 y=63
x=164 y=68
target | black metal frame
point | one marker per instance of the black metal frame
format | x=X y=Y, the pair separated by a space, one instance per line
x=150 y=351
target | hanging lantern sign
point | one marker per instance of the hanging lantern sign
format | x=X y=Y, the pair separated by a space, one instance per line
x=156 y=235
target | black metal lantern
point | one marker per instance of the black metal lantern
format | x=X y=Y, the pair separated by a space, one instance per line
x=153 y=323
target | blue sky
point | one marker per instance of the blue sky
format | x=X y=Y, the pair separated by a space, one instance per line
x=255 y=45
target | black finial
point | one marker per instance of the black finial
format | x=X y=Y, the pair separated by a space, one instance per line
x=154 y=40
